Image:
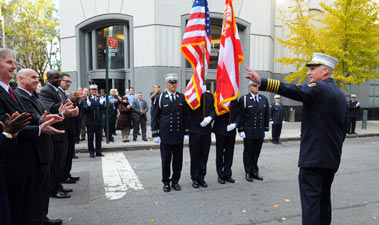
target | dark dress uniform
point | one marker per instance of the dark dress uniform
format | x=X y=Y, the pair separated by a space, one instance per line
x=94 y=123
x=169 y=121
x=200 y=137
x=276 y=116
x=254 y=122
x=225 y=141
x=322 y=134
x=353 y=107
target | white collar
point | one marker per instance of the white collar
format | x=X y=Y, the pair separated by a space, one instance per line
x=253 y=95
x=30 y=94
x=55 y=88
x=5 y=86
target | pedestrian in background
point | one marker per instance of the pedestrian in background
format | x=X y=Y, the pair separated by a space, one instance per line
x=139 y=117
x=157 y=91
x=124 y=120
x=323 y=131
x=353 y=107
x=276 y=119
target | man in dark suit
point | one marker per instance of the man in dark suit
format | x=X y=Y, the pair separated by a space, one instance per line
x=169 y=126
x=200 y=138
x=20 y=164
x=26 y=91
x=52 y=99
x=71 y=128
x=93 y=107
x=254 y=113
x=323 y=132
x=140 y=109
x=7 y=143
x=353 y=113
x=276 y=119
x=224 y=127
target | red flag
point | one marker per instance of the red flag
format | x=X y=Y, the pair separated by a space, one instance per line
x=230 y=57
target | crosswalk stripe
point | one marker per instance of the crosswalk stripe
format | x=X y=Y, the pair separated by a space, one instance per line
x=118 y=176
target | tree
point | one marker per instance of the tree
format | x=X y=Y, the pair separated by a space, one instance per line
x=346 y=29
x=30 y=26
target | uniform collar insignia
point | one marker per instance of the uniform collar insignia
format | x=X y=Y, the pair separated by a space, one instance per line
x=313 y=84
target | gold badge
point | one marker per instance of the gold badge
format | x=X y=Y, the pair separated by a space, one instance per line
x=312 y=84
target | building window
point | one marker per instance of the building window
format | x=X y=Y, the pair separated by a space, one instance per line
x=117 y=56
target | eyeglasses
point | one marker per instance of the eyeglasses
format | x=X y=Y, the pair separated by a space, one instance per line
x=67 y=81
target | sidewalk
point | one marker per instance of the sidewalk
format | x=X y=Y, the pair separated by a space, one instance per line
x=290 y=132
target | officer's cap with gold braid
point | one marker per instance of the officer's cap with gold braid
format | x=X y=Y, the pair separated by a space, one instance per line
x=254 y=84
x=322 y=59
x=93 y=87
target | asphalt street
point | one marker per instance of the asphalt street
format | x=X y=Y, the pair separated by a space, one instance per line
x=125 y=188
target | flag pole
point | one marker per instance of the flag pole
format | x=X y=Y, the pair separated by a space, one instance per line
x=204 y=81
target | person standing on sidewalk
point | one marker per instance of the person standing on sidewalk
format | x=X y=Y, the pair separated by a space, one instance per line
x=140 y=108
x=125 y=118
x=353 y=106
x=224 y=128
x=276 y=119
x=254 y=113
x=169 y=126
x=323 y=132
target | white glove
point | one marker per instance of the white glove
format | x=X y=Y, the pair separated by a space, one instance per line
x=266 y=133
x=88 y=102
x=102 y=100
x=231 y=127
x=206 y=121
x=186 y=138
x=242 y=134
x=271 y=122
x=157 y=139
x=283 y=121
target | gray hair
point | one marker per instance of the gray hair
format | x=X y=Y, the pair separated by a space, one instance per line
x=330 y=69
x=6 y=51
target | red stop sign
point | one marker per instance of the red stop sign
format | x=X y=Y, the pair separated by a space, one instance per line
x=112 y=42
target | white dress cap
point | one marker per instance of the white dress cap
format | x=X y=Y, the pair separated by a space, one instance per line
x=323 y=59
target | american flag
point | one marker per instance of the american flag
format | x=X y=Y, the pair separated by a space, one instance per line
x=196 y=40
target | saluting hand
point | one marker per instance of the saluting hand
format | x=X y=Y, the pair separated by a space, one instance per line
x=252 y=75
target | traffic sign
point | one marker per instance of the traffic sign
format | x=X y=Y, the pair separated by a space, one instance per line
x=112 y=42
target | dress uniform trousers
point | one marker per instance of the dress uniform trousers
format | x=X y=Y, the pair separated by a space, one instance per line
x=199 y=151
x=172 y=152
x=94 y=130
x=315 y=184
x=251 y=152
x=224 y=155
x=352 y=124
x=276 y=131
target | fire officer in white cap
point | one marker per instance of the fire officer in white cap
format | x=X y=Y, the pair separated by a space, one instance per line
x=276 y=119
x=169 y=126
x=323 y=131
x=353 y=106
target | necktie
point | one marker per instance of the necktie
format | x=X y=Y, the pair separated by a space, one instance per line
x=37 y=101
x=172 y=97
x=256 y=99
x=12 y=95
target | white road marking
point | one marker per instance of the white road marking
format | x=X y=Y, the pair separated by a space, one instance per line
x=118 y=176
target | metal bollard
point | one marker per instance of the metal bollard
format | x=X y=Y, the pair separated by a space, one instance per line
x=292 y=115
x=364 y=119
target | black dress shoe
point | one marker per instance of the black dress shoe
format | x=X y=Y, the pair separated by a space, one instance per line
x=257 y=177
x=92 y=155
x=69 y=181
x=249 y=178
x=221 y=181
x=75 y=156
x=77 y=142
x=66 y=190
x=195 y=184
x=203 y=184
x=230 y=180
x=99 y=154
x=60 y=195
x=166 y=188
x=176 y=186
x=75 y=178
x=52 y=222
x=82 y=139
x=144 y=139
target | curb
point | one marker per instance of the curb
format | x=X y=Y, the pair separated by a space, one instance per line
x=156 y=146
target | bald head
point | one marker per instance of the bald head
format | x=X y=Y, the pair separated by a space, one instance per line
x=54 y=77
x=28 y=79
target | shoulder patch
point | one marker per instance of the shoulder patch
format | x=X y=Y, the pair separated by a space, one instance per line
x=313 y=84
